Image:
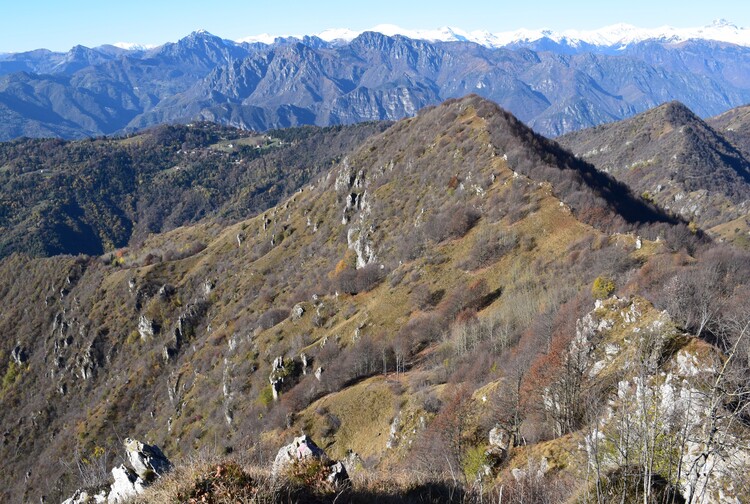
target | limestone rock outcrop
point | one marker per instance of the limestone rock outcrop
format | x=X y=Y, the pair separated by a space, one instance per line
x=146 y=328
x=88 y=496
x=148 y=463
x=126 y=485
x=303 y=448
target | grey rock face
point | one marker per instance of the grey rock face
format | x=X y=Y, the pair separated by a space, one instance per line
x=148 y=460
x=148 y=463
x=276 y=378
x=166 y=291
x=305 y=362
x=304 y=448
x=19 y=355
x=87 y=497
x=126 y=485
x=146 y=327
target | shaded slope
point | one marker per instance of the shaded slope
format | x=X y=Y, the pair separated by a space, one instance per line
x=529 y=152
x=671 y=156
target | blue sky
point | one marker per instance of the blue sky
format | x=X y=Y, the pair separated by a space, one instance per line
x=58 y=24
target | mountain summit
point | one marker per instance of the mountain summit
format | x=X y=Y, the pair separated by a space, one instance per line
x=673 y=157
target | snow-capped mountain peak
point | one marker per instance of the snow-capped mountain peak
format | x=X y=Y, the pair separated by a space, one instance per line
x=616 y=35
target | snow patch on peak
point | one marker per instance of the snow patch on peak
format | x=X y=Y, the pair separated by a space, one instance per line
x=263 y=38
x=333 y=34
x=201 y=33
x=133 y=46
x=723 y=23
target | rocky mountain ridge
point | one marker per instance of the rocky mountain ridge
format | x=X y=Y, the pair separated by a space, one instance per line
x=91 y=92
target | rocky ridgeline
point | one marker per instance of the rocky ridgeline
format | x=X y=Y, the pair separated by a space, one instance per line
x=147 y=464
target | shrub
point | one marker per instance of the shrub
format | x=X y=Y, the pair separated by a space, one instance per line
x=228 y=482
x=353 y=281
x=424 y=298
x=603 y=287
x=475 y=460
x=488 y=247
x=452 y=222
x=266 y=396
x=311 y=474
x=369 y=276
x=626 y=485
x=272 y=317
x=11 y=375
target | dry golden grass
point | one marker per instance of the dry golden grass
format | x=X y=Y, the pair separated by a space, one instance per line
x=365 y=411
x=224 y=481
x=736 y=232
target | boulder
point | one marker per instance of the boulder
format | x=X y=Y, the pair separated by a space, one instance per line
x=353 y=462
x=498 y=438
x=148 y=461
x=337 y=474
x=126 y=485
x=298 y=311
x=166 y=291
x=88 y=496
x=304 y=448
x=301 y=448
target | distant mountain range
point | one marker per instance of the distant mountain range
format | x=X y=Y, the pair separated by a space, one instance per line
x=614 y=37
x=556 y=83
